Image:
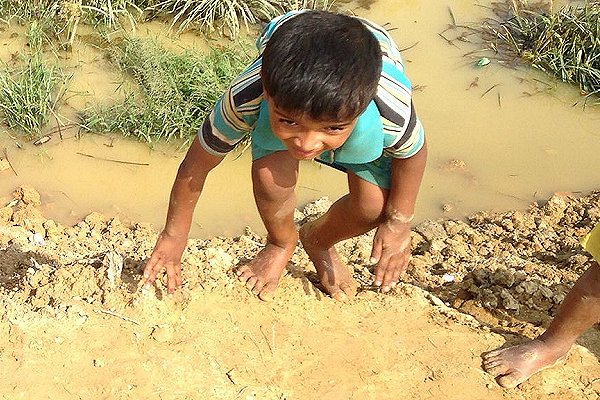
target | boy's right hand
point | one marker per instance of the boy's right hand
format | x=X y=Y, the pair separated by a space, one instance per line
x=166 y=254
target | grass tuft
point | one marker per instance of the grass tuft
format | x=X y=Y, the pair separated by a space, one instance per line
x=564 y=43
x=227 y=16
x=174 y=91
x=62 y=17
x=29 y=94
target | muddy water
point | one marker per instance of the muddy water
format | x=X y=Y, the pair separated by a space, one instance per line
x=499 y=138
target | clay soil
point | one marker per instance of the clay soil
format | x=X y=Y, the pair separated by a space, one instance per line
x=75 y=323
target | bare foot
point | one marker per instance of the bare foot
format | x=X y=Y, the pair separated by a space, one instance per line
x=262 y=274
x=514 y=365
x=333 y=274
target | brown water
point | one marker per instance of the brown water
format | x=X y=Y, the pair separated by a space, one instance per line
x=514 y=148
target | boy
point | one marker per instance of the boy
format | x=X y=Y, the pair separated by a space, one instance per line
x=327 y=87
x=579 y=311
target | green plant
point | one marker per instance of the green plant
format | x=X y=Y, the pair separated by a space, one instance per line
x=109 y=12
x=223 y=16
x=307 y=4
x=62 y=17
x=565 y=43
x=28 y=94
x=24 y=10
x=176 y=91
x=227 y=16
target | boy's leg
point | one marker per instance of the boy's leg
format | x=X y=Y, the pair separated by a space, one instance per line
x=274 y=178
x=354 y=214
x=579 y=311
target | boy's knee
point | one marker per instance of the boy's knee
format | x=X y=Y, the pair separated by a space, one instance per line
x=273 y=177
x=266 y=188
x=369 y=210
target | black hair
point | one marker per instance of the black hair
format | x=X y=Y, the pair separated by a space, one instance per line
x=322 y=64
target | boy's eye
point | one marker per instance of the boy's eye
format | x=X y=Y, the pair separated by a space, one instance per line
x=335 y=128
x=286 y=121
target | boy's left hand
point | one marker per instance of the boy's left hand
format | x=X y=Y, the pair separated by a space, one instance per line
x=391 y=252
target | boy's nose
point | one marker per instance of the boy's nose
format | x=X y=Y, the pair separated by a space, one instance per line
x=309 y=141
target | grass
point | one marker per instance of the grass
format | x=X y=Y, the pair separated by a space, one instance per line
x=110 y=12
x=227 y=16
x=222 y=16
x=60 y=18
x=172 y=92
x=97 y=11
x=564 y=43
x=22 y=9
x=29 y=93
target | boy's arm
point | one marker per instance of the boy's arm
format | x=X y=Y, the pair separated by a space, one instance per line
x=392 y=244
x=185 y=192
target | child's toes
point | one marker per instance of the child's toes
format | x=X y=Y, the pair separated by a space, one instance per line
x=511 y=380
x=267 y=292
x=350 y=289
x=339 y=295
x=345 y=292
x=251 y=282
x=243 y=273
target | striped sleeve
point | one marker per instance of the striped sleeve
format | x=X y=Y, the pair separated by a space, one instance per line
x=403 y=133
x=389 y=49
x=234 y=114
x=403 y=140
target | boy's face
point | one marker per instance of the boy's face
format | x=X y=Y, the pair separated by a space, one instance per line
x=304 y=137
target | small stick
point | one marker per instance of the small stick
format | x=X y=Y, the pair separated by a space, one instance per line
x=474 y=52
x=114 y=314
x=111 y=160
x=308 y=188
x=228 y=374
x=273 y=334
x=260 y=353
x=267 y=340
x=388 y=27
x=410 y=47
x=450 y=42
x=590 y=383
x=452 y=16
x=8 y=161
x=58 y=126
x=487 y=91
x=241 y=391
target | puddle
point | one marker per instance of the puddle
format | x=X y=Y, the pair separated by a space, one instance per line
x=498 y=138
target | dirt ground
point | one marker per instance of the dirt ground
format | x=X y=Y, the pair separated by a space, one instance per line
x=75 y=323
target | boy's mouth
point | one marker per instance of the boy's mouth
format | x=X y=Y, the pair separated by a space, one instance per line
x=304 y=155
